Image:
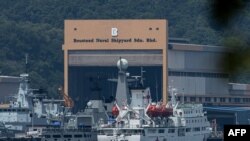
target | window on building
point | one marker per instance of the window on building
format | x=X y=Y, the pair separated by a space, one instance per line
x=161 y=131
x=215 y=99
x=188 y=129
x=181 y=132
x=246 y=100
x=171 y=130
x=200 y=99
x=67 y=136
x=185 y=99
x=222 y=99
x=196 y=129
x=237 y=100
x=56 y=136
x=207 y=99
x=192 y=99
x=78 y=136
x=152 y=131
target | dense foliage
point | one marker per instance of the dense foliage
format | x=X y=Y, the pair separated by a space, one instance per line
x=36 y=27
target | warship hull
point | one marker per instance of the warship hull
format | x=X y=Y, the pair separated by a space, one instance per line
x=69 y=135
x=153 y=138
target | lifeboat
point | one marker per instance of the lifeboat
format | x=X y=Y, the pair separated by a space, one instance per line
x=115 y=111
x=152 y=110
x=159 y=111
x=165 y=112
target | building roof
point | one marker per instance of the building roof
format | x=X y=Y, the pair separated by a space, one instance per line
x=196 y=47
x=9 y=79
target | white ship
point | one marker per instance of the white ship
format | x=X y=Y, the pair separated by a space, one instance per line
x=139 y=119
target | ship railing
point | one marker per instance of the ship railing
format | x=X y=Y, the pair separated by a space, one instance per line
x=126 y=132
x=67 y=130
x=217 y=134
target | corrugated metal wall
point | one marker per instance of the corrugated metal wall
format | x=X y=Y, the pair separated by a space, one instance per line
x=197 y=72
x=194 y=61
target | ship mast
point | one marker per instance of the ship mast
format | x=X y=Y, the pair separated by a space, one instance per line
x=26 y=62
x=122 y=92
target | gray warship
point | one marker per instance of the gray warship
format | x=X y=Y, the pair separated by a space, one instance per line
x=30 y=115
x=78 y=127
x=28 y=109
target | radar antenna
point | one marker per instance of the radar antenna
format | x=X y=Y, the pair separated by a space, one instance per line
x=136 y=79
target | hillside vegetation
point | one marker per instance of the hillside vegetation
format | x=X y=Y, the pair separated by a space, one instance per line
x=36 y=27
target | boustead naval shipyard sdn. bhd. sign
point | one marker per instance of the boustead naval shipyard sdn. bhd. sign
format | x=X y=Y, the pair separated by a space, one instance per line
x=115 y=34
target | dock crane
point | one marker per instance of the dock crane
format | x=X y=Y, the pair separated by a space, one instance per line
x=68 y=102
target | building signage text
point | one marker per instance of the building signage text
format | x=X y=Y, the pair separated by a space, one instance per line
x=114 y=40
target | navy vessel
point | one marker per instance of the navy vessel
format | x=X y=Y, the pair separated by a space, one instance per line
x=80 y=126
x=27 y=109
x=137 y=118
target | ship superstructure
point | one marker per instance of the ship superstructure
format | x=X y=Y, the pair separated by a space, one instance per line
x=80 y=126
x=27 y=109
x=138 y=118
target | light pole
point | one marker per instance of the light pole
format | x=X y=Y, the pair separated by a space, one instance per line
x=236 y=119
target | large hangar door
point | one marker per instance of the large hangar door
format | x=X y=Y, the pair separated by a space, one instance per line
x=89 y=72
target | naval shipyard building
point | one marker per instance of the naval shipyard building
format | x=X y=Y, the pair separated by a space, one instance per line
x=92 y=48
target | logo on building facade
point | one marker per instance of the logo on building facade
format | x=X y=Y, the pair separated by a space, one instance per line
x=114 y=32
